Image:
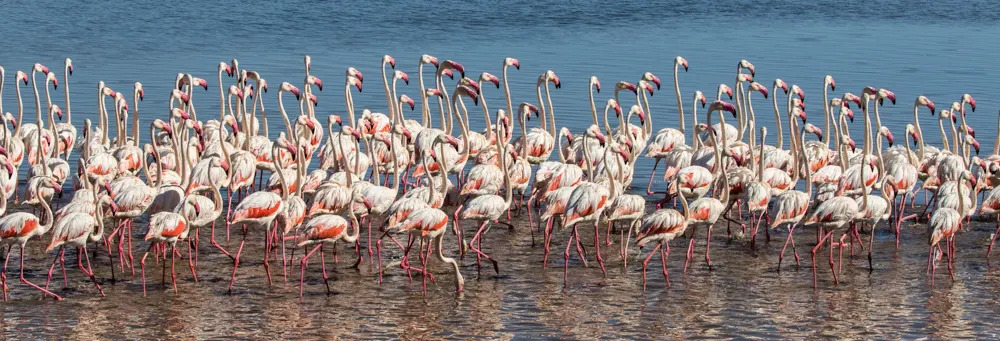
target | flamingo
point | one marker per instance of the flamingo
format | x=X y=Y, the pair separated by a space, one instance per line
x=19 y=227
x=66 y=130
x=326 y=228
x=489 y=207
x=662 y=226
x=78 y=229
x=258 y=209
x=943 y=225
x=790 y=208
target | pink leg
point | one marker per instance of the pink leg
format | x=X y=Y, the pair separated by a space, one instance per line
x=664 y=252
x=645 y=263
x=649 y=186
x=302 y=271
x=142 y=266
x=597 y=246
x=566 y=262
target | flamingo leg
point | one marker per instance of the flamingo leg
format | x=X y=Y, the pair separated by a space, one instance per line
x=579 y=247
x=871 y=244
x=708 y=247
x=664 y=252
x=690 y=251
x=322 y=265
x=547 y=239
x=476 y=243
x=236 y=261
x=569 y=244
x=819 y=245
x=173 y=274
x=787 y=241
x=302 y=271
x=90 y=271
x=597 y=245
x=142 y=265
x=607 y=236
x=645 y=263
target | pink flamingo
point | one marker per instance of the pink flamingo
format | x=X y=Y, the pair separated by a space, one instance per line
x=19 y=227
x=668 y=138
x=661 y=227
x=78 y=229
x=326 y=228
x=944 y=224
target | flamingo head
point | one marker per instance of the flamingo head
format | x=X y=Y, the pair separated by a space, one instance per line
x=286 y=86
x=224 y=164
x=725 y=89
x=566 y=133
x=912 y=131
x=618 y=108
x=854 y=145
x=800 y=112
x=700 y=97
x=451 y=64
x=51 y=77
x=778 y=83
x=201 y=82
x=747 y=65
x=452 y=141
x=798 y=92
x=467 y=91
x=975 y=144
x=227 y=68
x=650 y=77
x=139 y=91
x=969 y=130
x=470 y=83
x=595 y=83
x=180 y=95
x=401 y=75
x=884 y=131
x=9 y=167
x=849 y=97
x=884 y=93
x=69 y=66
x=923 y=100
x=972 y=101
x=624 y=154
x=315 y=81
x=527 y=109
x=387 y=59
x=809 y=127
x=406 y=133
x=829 y=80
x=406 y=99
x=849 y=113
x=448 y=72
x=368 y=204
x=721 y=105
x=433 y=92
x=759 y=88
x=313 y=99
x=40 y=68
x=512 y=62
x=178 y=112
x=20 y=75
x=736 y=157
x=637 y=110
x=489 y=77
x=745 y=77
x=429 y=59
x=58 y=111
x=352 y=72
x=336 y=118
x=3 y=151
x=235 y=91
x=682 y=62
x=645 y=85
x=551 y=77
x=623 y=85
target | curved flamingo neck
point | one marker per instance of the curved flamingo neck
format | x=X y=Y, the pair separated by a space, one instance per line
x=680 y=105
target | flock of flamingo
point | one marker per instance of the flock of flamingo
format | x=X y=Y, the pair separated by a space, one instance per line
x=715 y=171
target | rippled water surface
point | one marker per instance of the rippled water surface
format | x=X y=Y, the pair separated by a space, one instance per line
x=940 y=49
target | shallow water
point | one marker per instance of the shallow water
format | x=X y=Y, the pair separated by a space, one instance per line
x=940 y=49
x=743 y=295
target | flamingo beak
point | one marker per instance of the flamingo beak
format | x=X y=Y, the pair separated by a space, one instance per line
x=656 y=80
x=405 y=77
x=597 y=86
x=296 y=92
x=412 y=105
x=516 y=63
x=890 y=138
x=142 y=94
x=313 y=99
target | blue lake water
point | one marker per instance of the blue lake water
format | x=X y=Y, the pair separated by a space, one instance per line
x=941 y=50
